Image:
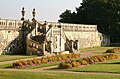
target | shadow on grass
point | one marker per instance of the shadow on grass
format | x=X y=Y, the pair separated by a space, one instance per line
x=55 y=68
x=111 y=63
x=96 y=72
x=6 y=66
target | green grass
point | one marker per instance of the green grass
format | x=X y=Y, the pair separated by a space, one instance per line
x=13 y=57
x=95 y=49
x=5 y=66
x=111 y=66
x=31 y=67
x=16 y=57
x=51 y=75
x=43 y=65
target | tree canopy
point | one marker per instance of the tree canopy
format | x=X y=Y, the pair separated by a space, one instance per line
x=104 y=13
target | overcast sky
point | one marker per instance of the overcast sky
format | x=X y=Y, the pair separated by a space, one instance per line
x=48 y=10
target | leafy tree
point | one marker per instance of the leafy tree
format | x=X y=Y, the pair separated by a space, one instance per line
x=67 y=17
x=104 y=13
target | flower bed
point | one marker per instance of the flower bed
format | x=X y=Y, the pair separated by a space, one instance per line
x=114 y=50
x=86 y=61
x=44 y=60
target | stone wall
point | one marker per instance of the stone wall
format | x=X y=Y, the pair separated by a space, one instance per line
x=87 y=35
x=86 y=39
x=104 y=39
x=6 y=37
x=8 y=32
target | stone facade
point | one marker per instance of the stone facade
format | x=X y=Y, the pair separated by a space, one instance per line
x=86 y=35
x=8 y=32
x=51 y=36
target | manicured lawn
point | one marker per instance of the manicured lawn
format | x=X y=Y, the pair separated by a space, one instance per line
x=111 y=66
x=31 y=67
x=5 y=66
x=43 y=65
x=51 y=75
x=95 y=49
x=13 y=57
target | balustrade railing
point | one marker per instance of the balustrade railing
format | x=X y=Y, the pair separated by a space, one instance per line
x=66 y=39
x=35 y=47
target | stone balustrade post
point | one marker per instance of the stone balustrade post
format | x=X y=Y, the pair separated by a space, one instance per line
x=72 y=45
x=51 y=40
x=43 y=47
x=51 y=47
x=77 y=44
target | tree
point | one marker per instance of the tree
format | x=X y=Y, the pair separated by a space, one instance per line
x=104 y=13
x=67 y=17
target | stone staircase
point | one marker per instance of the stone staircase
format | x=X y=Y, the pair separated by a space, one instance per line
x=68 y=44
x=13 y=47
x=34 y=48
x=25 y=43
x=35 y=39
x=38 y=43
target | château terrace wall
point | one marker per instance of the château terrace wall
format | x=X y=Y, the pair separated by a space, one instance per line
x=87 y=35
x=9 y=30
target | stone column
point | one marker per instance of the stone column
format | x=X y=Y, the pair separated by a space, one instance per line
x=36 y=28
x=60 y=38
x=77 y=44
x=43 y=47
x=72 y=44
x=51 y=47
x=51 y=40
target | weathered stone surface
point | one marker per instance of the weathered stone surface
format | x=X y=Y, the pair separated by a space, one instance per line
x=57 y=36
x=6 y=37
x=86 y=39
x=8 y=32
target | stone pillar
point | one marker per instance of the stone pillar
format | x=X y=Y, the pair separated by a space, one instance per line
x=77 y=44
x=51 y=41
x=60 y=38
x=72 y=45
x=60 y=30
x=36 y=28
x=51 y=47
x=34 y=21
x=43 y=47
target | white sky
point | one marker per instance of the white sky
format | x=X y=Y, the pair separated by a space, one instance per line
x=48 y=10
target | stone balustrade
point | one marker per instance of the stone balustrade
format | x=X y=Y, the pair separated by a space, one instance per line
x=10 y=24
x=5 y=23
x=74 y=27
